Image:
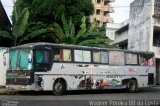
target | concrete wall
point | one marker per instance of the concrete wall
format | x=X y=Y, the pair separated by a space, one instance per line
x=140 y=28
x=111 y=28
x=120 y=37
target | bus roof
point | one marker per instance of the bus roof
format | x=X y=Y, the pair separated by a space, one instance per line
x=41 y=44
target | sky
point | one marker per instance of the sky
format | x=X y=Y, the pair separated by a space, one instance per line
x=8 y=6
x=121 y=8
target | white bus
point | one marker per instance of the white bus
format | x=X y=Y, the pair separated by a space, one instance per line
x=61 y=67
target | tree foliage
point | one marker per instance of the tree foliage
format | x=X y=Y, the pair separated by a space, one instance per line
x=16 y=36
x=85 y=36
x=48 y=11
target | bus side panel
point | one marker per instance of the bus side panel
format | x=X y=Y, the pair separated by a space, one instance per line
x=86 y=76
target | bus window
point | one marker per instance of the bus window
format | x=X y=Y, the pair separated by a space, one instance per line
x=39 y=56
x=82 y=56
x=19 y=59
x=13 y=58
x=57 y=54
x=104 y=57
x=116 y=58
x=147 y=59
x=66 y=55
x=23 y=59
x=131 y=59
x=86 y=56
x=142 y=60
x=42 y=56
x=100 y=57
x=96 y=57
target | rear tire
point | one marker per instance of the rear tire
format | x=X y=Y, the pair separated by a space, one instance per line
x=132 y=86
x=58 y=87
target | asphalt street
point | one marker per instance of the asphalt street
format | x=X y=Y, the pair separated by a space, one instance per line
x=146 y=97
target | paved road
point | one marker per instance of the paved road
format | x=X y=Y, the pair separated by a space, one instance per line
x=148 y=97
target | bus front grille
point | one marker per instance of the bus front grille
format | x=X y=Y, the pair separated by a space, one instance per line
x=18 y=81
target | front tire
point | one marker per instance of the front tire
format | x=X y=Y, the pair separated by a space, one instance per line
x=132 y=86
x=58 y=87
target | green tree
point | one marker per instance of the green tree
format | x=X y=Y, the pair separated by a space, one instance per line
x=48 y=11
x=19 y=21
x=85 y=37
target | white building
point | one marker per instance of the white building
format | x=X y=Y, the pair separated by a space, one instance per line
x=121 y=35
x=143 y=29
x=111 y=28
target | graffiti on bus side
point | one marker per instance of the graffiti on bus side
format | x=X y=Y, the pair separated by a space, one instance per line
x=89 y=82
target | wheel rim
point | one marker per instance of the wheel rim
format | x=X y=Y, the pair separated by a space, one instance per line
x=132 y=86
x=58 y=87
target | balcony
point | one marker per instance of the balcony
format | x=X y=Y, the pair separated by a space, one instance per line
x=98 y=17
x=108 y=9
x=109 y=20
x=109 y=0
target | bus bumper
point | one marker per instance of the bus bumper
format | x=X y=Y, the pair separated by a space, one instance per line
x=23 y=88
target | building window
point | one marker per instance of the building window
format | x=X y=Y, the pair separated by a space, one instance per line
x=106 y=3
x=98 y=21
x=105 y=13
x=98 y=12
x=98 y=1
x=156 y=37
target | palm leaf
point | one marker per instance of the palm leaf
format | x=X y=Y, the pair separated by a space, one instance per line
x=93 y=34
x=58 y=27
x=93 y=41
x=20 y=25
x=35 y=34
x=15 y=15
x=93 y=26
x=72 y=32
x=83 y=27
x=5 y=34
x=57 y=35
x=65 y=25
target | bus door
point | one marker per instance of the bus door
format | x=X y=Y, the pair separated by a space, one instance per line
x=147 y=63
x=43 y=59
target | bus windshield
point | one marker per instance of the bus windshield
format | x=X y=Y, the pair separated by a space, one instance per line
x=20 y=59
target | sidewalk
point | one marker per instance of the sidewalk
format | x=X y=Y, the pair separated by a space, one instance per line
x=2 y=90
x=157 y=86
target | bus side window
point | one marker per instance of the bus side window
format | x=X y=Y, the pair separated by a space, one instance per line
x=42 y=56
x=66 y=55
x=100 y=57
x=57 y=54
x=82 y=56
x=131 y=59
x=96 y=57
x=142 y=60
x=104 y=57
x=116 y=58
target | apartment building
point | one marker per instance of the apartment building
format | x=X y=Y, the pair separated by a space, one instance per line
x=101 y=12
